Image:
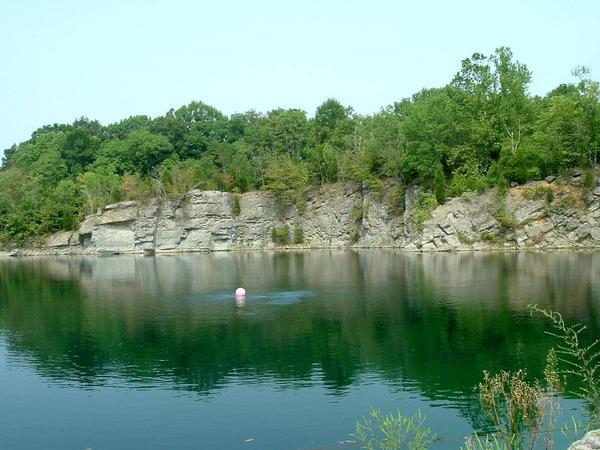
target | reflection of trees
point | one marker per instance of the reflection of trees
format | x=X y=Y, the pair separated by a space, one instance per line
x=432 y=320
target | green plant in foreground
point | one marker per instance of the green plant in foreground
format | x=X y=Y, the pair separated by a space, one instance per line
x=523 y=413
x=476 y=442
x=582 y=361
x=393 y=431
x=514 y=406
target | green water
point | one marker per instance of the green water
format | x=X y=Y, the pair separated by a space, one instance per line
x=140 y=352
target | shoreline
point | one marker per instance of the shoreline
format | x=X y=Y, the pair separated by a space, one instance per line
x=291 y=249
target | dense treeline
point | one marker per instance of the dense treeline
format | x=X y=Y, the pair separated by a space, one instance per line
x=481 y=130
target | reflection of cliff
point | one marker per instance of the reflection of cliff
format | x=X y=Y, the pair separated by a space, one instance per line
x=434 y=321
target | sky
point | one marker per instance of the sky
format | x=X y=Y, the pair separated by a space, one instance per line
x=110 y=59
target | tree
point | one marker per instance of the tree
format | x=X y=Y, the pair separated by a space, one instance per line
x=99 y=188
x=146 y=150
x=511 y=82
x=287 y=180
x=286 y=132
x=79 y=149
x=327 y=116
x=123 y=128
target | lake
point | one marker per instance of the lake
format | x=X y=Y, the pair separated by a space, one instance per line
x=128 y=352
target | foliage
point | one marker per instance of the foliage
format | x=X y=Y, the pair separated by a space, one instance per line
x=358 y=212
x=538 y=193
x=513 y=405
x=439 y=185
x=354 y=234
x=422 y=210
x=237 y=209
x=477 y=442
x=395 y=199
x=393 y=431
x=588 y=179
x=298 y=235
x=280 y=235
x=464 y=238
x=482 y=129
x=522 y=412
x=287 y=179
x=506 y=221
x=467 y=179
x=582 y=360
x=136 y=187
x=99 y=188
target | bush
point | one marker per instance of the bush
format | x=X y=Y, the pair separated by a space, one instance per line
x=463 y=238
x=287 y=180
x=236 y=205
x=535 y=193
x=588 y=180
x=298 y=235
x=507 y=222
x=467 y=180
x=439 y=185
x=357 y=213
x=134 y=187
x=422 y=210
x=354 y=234
x=395 y=200
x=538 y=193
x=581 y=360
x=377 y=186
x=280 y=235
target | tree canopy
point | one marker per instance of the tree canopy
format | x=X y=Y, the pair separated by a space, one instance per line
x=482 y=128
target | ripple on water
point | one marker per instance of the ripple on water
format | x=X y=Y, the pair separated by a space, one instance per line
x=272 y=298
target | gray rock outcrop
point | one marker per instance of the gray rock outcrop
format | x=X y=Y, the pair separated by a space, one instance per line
x=543 y=214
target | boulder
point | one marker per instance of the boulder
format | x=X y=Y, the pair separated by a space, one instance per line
x=63 y=239
x=591 y=441
x=117 y=213
x=550 y=179
x=87 y=226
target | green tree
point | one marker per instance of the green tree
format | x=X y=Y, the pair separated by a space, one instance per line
x=287 y=180
x=327 y=116
x=99 y=188
x=79 y=149
x=146 y=150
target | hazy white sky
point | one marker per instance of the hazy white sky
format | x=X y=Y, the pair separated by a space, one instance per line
x=110 y=59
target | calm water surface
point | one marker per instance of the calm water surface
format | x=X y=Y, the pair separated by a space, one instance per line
x=136 y=352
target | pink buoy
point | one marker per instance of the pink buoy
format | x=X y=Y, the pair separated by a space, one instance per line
x=240 y=292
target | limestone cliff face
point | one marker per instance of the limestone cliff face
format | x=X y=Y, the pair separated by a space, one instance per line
x=344 y=215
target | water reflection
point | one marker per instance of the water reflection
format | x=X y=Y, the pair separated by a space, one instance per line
x=424 y=323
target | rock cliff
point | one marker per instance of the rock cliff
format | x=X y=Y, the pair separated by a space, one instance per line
x=557 y=213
